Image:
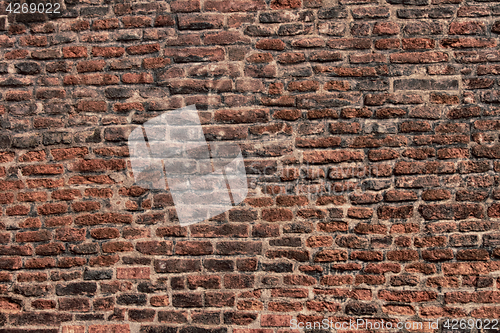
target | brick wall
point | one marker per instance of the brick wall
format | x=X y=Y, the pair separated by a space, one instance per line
x=370 y=134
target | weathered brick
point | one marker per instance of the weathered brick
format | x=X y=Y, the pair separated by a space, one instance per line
x=236 y=6
x=304 y=104
x=107 y=52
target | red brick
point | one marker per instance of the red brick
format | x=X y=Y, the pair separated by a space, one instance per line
x=50 y=249
x=193 y=248
x=385 y=28
x=154 y=63
x=185 y=6
x=37 y=170
x=285 y=4
x=95 y=219
x=164 y=20
x=43 y=304
x=400 y=212
x=241 y=116
x=90 y=66
x=291 y=58
x=319 y=241
x=303 y=86
x=136 y=21
x=418 y=43
x=39 y=263
x=277 y=214
x=402 y=255
x=467 y=28
x=143 y=49
x=105 y=233
x=407 y=296
x=85 y=206
x=270 y=44
x=289 y=115
x=16 y=54
x=468 y=42
x=155 y=247
x=52 y=208
x=70 y=234
x=235 y=6
x=323 y=157
x=110 y=328
x=319 y=102
x=419 y=57
x=36 y=41
x=159 y=301
x=338 y=85
x=225 y=38
x=134 y=78
x=97 y=165
x=104 y=260
x=388 y=44
x=69 y=153
x=118 y=246
x=91 y=79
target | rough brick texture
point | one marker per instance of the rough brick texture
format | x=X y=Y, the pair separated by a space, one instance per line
x=370 y=134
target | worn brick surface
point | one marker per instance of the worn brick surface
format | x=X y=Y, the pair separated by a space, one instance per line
x=370 y=134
